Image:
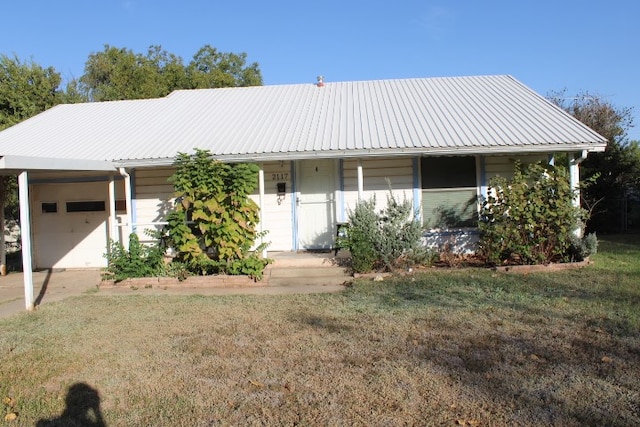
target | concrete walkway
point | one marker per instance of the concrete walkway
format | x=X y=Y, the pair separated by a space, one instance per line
x=291 y=273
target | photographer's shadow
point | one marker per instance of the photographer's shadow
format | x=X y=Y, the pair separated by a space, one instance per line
x=83 y=409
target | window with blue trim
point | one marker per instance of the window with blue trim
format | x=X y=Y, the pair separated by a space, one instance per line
x=449 y=192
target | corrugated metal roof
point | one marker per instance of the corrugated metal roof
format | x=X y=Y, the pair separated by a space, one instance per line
x=448 y=115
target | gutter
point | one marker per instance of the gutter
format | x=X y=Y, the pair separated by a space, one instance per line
x=346 y=154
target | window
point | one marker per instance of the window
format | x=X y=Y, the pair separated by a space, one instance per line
x=49 y=207
x=89 y=206
x=449 y=192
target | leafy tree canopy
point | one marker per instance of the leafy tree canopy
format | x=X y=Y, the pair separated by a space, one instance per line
x=618 y=166
x=26 y=89
x=119 y=73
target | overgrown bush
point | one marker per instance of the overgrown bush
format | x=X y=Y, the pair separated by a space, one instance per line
x=530 y=219
x=387 y=240
x=361 y=236
x=213 y=226
x=139 y=261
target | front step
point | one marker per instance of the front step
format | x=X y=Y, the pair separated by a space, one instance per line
x=307 y=272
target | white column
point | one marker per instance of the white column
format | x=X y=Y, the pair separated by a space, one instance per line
x=25 y=232
x=113 y=219
x=360 y=181
x=261 y=203
x=574 y=179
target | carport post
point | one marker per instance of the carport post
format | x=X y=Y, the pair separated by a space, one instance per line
x=25 y=233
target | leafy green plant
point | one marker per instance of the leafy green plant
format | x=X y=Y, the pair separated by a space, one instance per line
x=213 y=226
x=529 y=219
x=139 y=261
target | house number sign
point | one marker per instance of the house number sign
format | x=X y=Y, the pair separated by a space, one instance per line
x=279 y=176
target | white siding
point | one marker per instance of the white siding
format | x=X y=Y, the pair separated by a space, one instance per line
x=153 y=198
x=378 y=174
x=504 y=165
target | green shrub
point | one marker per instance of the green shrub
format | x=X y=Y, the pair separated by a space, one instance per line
x=213 y=226
x=361 y=236
x=388 y=240
x=139 y=261
x=529 y=219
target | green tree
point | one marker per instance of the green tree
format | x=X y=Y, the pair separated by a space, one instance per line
x=618 y=166
x=26 y=89
x=211 y=68
x=119 y=73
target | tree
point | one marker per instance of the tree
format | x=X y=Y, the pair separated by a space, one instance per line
x=618 y=167
x=119 y=73
x=26 y=89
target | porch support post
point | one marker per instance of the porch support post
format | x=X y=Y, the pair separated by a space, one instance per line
x=261 y=205
x=113 y=219
x=360 y=181
x=574 y=181
x=25 y=233
x=127 y=195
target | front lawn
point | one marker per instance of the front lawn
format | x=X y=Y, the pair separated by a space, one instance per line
x=462 y=347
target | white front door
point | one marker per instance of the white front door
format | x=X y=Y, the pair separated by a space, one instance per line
x=316 y=204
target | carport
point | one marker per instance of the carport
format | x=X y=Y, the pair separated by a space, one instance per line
x=23 y=166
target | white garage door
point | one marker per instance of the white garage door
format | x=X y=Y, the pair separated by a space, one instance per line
x=70 y=225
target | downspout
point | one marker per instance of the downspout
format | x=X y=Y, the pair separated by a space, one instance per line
x=129 y=205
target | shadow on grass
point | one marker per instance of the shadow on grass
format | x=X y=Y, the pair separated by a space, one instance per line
x=82 y=409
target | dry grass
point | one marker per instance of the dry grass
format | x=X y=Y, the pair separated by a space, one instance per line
x=465 y=347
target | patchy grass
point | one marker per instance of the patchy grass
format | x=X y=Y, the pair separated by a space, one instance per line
x=461 y=347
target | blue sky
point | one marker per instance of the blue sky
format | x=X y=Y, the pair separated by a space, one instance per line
x=548 y=45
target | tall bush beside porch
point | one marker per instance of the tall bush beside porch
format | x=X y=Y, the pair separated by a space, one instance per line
x=213 y=225
x=531 y=218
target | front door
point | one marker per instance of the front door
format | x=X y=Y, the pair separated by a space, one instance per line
x=316 y=204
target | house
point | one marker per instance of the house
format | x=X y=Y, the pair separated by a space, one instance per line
x=98 y=171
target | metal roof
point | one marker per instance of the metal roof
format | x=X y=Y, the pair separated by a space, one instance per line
x=447 y=115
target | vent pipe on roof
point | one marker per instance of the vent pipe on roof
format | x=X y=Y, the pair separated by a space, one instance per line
x=320 y=81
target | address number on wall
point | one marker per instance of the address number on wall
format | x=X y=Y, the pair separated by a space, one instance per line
x=279 y=176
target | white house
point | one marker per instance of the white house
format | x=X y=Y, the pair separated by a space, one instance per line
x=94 y=171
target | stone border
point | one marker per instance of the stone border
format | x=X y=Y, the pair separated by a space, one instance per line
x=213 y=281
x=525 y=269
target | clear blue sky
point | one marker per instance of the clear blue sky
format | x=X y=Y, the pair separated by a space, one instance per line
x=549 y=45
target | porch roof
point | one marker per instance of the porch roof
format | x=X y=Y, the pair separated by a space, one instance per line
x=422 y=116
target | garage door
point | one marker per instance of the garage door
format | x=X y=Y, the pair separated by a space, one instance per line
x=70 y=225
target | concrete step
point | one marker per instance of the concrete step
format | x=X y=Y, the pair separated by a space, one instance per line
x=307 y=272
x=308 y=259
